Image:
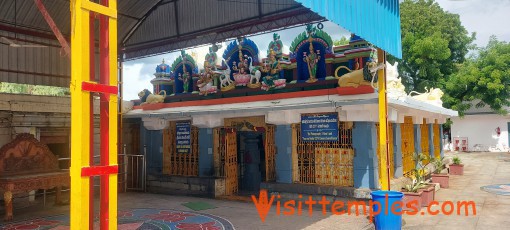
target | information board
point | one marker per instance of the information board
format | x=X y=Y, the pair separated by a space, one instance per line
x=319 y=127
x=183 y=137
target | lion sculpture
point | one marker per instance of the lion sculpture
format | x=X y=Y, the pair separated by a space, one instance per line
x=148 y=98
x=394 y=85
x=355 y=78
x=432 y=96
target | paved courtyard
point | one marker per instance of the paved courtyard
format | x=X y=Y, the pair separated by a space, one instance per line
x=481 y=169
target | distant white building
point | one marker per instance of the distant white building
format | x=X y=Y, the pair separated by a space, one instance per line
x=482 y=130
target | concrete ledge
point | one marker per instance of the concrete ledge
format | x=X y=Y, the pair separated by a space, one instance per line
x=313 y=189
x=182 y=185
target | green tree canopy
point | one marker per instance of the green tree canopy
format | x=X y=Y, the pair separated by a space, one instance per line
x=14 y=88
x=341 y=42
x=484 y=79
x=433 y=43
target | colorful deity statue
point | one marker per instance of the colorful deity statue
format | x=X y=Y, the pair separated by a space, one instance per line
x=312 y=58
x=211 y=57
x=276 y=45
x=185 y=77
x=272 y=68
x=242 y=77
x=205 y=83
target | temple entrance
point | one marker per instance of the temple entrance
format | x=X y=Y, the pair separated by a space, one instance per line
x=244 y=154
x=251 y=161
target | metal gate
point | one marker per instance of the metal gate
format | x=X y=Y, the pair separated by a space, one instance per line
x=270 y=151
x=230 y=161
x=437 y=145
x=391 y=153
x=407 y=132
x=326 y=162
x=425 y=140
x=135 y=166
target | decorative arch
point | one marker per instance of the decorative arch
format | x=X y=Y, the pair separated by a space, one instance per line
x=177 y=67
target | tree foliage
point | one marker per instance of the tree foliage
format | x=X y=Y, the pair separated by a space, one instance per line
x=433 y=43
x=341 y=42
x=14 y=88
x=483 y=80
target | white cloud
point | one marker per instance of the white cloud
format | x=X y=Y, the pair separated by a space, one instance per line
x=484 y=17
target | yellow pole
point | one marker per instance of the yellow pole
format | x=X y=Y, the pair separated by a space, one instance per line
x=383 y=123
x=80 y=116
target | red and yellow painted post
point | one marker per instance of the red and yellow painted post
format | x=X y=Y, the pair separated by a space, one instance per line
x=383 y=123
x=82 y=88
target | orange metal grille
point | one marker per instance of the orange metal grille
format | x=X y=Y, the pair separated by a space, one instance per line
x=425 y=140
x=437 y=145
x=390 y=150
x=270 y=151
x=407 y=132
x=179 y=164
x=325 y=162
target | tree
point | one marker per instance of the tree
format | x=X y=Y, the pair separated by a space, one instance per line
x=341 y=42
x=14 y=88
x=484 y=79
x=433 y=43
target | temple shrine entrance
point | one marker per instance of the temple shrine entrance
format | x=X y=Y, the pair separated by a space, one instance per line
x=244 y=154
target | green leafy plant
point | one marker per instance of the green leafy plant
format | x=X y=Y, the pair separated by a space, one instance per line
x=413 y=187
x=418 y=173
x=438 y=164
x=456 y=160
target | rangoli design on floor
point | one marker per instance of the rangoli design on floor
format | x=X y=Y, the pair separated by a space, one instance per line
x=498 y=189
x=139 y=219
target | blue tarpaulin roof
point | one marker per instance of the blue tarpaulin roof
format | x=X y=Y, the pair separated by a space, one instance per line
x=377 y=21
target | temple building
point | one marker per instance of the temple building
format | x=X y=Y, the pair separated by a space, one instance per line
x=302 y=122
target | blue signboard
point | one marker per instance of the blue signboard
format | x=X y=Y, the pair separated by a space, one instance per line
x=183 y=137
x=319 y=127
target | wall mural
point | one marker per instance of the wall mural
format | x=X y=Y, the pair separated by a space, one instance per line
x=312 y=59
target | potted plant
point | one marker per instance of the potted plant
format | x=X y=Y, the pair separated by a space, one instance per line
x=412 y=196
x=413 y=193
x=443 y=179
x=428 y=190
x=457 y=168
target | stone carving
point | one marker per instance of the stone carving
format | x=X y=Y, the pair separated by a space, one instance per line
x=148 y=98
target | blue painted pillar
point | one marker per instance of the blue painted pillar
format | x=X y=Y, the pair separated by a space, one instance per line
x=397 y=148
x=417 y=138
x=283 y=142
x=205 y=152
x=431 y=140
x=441 y=135
x=366 y=169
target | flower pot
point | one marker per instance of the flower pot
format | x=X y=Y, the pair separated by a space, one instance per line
x=442 y=179
x=457 y=169
x=427 y=195
x=412 y=201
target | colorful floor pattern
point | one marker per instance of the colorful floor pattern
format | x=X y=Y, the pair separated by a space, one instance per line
x=498 y=189
x=139 y=219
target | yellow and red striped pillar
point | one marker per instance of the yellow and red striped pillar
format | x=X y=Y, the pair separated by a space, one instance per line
x=83 y=86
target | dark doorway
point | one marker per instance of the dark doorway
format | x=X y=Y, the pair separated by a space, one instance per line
x=251 y=161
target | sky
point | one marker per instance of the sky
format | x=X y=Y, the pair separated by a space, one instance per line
x=485 y=17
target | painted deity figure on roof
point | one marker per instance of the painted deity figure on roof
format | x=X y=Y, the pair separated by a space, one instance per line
x=313 y=57
x=276 y=45
x=211 y=57
x=185 y=77
x=162 y=70
x=242 y=66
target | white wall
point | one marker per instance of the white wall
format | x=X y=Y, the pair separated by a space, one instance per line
x=481 y=129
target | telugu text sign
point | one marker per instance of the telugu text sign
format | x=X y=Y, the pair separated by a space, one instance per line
x=183 y=137
x=319 y=127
